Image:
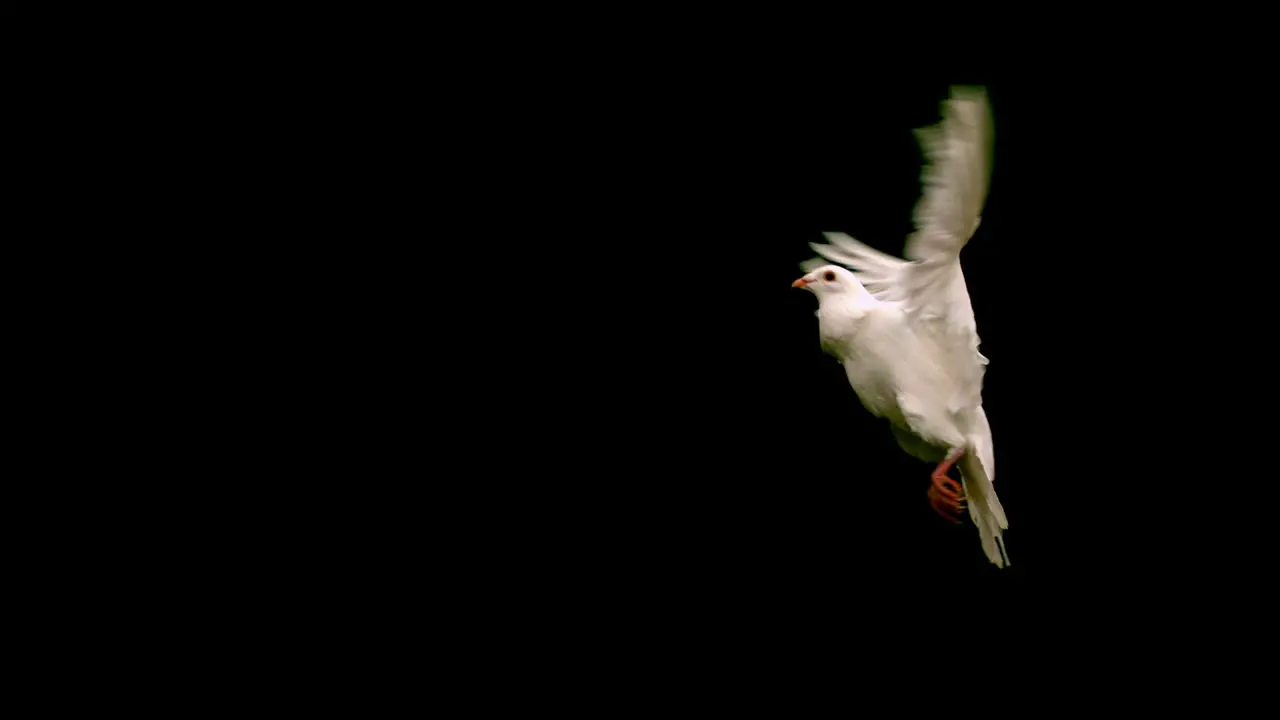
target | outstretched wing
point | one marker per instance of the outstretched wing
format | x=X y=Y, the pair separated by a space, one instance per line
x=956 y=176
x=930 y=284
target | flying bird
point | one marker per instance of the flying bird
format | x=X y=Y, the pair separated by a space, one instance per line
x=904 y=330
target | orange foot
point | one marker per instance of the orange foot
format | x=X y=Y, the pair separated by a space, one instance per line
x=946 y=496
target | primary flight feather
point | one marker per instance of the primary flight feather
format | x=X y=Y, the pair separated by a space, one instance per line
x=904 y=330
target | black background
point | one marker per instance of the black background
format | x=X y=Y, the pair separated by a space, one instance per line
x=545 y=361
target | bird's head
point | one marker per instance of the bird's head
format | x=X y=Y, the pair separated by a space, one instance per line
x=829 y=280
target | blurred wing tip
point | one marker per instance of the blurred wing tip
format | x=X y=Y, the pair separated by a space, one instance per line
x=812 y=264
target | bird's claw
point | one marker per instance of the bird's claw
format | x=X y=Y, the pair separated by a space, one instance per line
x=946 y=497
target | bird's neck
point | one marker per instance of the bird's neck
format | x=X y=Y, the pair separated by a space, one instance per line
x=854 y=303
x=840 y=318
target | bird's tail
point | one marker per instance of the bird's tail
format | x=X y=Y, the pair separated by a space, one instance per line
x=984 y=506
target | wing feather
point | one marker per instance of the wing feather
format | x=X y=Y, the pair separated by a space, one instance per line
x=878 y=272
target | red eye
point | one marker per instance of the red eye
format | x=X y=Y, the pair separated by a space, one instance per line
x=829 y=276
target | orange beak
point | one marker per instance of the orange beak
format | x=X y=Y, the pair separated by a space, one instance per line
x=799 y=283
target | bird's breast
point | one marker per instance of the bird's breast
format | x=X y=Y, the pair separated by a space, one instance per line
x=870 y=348
x=838 y=332
x=871 y=384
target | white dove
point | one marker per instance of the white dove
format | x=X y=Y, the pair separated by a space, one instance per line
x=904 y=330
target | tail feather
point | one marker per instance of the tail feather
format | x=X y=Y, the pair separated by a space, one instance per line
x=985 y=509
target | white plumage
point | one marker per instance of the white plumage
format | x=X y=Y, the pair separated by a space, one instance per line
x=904 y=330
